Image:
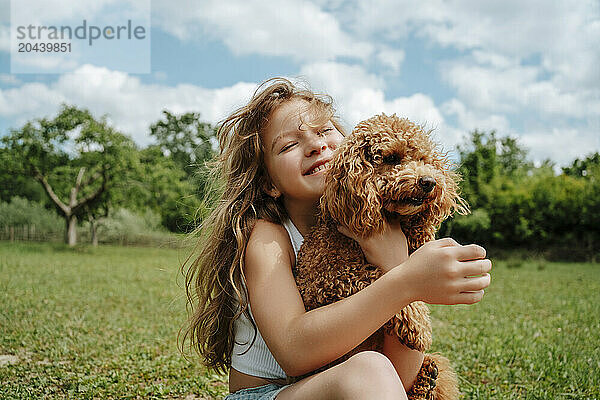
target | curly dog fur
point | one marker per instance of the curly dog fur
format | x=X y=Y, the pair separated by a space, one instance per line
x=388 y=169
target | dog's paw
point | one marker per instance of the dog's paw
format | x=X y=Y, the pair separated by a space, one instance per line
x=424 y=386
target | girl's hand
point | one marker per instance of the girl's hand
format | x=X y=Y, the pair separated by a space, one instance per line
x=386 y=250
x=445 y=272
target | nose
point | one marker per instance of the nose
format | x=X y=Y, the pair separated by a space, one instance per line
x=427 y=183
x=317 y=144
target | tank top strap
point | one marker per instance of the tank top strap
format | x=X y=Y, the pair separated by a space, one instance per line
x=295 y=235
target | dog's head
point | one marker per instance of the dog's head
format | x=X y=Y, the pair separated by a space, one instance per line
x=390 y=168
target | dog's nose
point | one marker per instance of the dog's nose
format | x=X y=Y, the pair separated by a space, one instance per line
x=427 y=183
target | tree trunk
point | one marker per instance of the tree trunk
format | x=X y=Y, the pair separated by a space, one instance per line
x=71 y=231
x=68 y=211
x=94 y=232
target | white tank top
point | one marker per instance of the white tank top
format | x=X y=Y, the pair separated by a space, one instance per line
x=255 y=358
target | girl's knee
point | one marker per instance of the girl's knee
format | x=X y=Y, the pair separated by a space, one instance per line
x=371 y=362
x=371 y=372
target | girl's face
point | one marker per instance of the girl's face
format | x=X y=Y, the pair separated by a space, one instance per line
x=295 y=154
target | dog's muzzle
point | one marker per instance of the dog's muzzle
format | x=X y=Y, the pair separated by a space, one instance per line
x=426 y=183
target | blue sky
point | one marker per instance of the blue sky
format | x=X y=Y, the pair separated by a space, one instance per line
x=525 y=69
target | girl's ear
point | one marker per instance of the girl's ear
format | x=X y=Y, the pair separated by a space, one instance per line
x=271 y=190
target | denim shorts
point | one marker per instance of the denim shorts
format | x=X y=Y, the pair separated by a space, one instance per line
x=266 y=392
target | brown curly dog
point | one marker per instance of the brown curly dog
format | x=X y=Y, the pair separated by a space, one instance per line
x=389 y=168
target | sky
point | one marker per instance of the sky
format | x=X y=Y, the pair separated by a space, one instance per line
x=526 y=69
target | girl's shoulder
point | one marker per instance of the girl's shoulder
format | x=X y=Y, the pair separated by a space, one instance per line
x=272 y=238
x=271 y=231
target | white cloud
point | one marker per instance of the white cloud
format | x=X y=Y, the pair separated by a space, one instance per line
x=360 y=95
x=469 y=120
x=297 y=28
x=391 y=58
x=131 y=105
x=28 y=101
x=560 y=38
x=356 y=93
x=558 y=31
x=44 y=62
x=515 y=89
x=561 y=145
x=340 y=80
x=486 y=58
x=394 y=19
x=489 y=88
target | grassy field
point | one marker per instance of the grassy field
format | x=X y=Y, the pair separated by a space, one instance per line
x=102 y=323
x=95 y=323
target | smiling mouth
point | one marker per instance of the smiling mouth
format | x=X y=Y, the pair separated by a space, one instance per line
x=318 y=169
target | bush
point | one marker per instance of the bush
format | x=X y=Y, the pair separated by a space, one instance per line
x=126 y=227
x=471 y=228
x=39 y=222
x=22 y=219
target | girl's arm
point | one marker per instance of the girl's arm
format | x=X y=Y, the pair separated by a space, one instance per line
x=303 y=341
x=387 y=250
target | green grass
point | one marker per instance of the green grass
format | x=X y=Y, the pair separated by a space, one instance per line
x=535 y=335
x=95 y=323
x=102 y=323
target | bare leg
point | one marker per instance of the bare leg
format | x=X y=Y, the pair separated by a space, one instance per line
x=366 y=375
x=406 y=361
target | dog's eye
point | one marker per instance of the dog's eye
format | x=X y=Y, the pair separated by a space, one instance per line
x=392 y=159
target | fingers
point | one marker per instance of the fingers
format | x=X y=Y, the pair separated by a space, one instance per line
x=469 y=297
x=447 y=242
x=475 y=284
x=472 y=289
x=469 y=252
x=475 y=267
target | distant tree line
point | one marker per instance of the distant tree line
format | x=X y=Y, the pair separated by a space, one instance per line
x=86 y=171
x=516 y=205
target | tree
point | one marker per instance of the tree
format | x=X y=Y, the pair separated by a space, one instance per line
x=12 y=185
x=185 y=143
x=583 y=168
x=493 y=170
x=484 y=159
x=165 y=188
x=75 y=158
x=184 y=138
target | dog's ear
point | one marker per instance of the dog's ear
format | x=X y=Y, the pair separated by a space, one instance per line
x=351 y=197
x=452 y=201
x=457 y=204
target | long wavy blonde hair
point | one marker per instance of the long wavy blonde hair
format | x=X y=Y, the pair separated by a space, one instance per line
x=216 y=295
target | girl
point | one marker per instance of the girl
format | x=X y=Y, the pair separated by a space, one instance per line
x=248 y=315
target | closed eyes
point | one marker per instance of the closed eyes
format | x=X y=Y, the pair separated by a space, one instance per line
x=290 y=145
